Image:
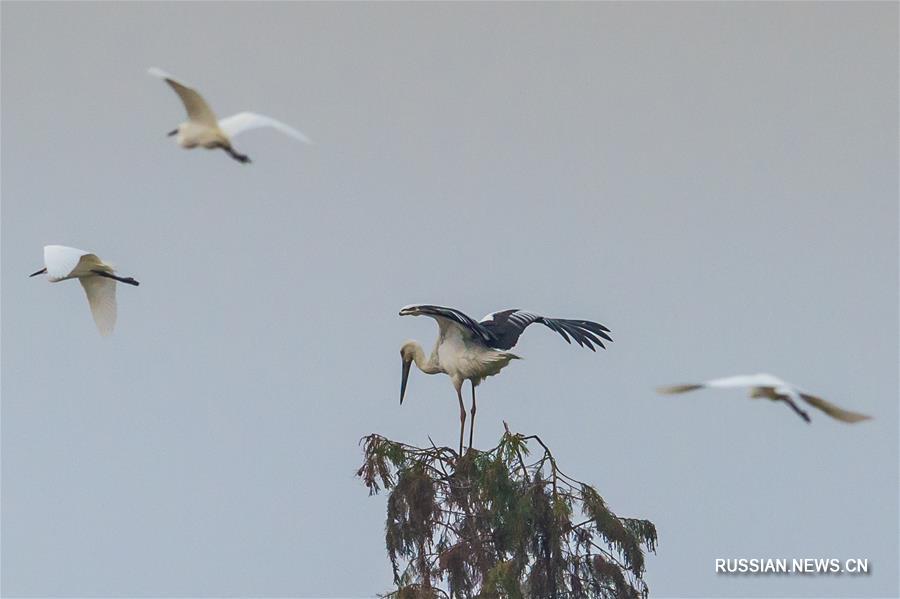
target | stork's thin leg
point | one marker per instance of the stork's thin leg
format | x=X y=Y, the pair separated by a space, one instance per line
x=800 y=412
x=462 y=418
x=472 y=423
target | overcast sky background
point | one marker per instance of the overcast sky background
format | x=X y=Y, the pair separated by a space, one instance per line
x=715 y=182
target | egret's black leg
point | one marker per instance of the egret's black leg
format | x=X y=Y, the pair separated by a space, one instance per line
x=796 y=408
x=109 y=275
x=242 y=158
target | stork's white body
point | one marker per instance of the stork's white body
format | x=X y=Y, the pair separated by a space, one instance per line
x=455 y=355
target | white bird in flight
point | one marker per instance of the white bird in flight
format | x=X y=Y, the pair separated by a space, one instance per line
x=775 y=389
x=97 y=278
x=467 y=350
x=203 y=128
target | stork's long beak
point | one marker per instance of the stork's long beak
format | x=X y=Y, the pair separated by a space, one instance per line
x=172 y=132
x=406 y=366
x=40 y=272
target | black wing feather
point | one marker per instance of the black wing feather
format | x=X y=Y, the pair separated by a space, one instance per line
x=505 y=328
x=456 y=316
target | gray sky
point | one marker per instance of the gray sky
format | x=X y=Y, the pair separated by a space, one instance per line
x=715 y=182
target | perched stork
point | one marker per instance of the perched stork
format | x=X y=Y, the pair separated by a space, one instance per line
x=97 y=278
x=469 y=350
x=775 y=389
x=203 y=129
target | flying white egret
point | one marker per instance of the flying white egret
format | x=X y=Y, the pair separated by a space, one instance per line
x=203 y=129
x=775 y=389
x=467 y=350
x=97 y=278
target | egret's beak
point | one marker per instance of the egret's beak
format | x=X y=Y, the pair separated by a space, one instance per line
x=40 y=272
x=406 y=366
x=172 y=132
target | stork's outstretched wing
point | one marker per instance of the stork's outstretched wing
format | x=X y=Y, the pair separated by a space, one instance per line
x=501 y=330
x=505 y=328
x=452 y=316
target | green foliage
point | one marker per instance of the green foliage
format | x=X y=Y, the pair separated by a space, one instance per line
x=489 y=524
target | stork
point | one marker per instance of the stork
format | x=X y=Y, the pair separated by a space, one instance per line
x=203 y=129
x=469 y=350
x=97 y=278
x=773 y=388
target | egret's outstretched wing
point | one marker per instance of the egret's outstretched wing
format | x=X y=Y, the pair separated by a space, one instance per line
x=747 y=380
x=245 y=121
x=101 y=294
x=449 y=316
x=741 y=380
x=672 y=389
x=832 y=410
x=197 y=108
x=505 y=328
x=61 y=260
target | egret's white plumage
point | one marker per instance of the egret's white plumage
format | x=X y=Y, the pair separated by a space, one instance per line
x=467 y=350
x=61 y=261
x=204 y=129
x=101 y=294
x=197 y=108
x=245 y=121
x=96 y=277
x=773 y=388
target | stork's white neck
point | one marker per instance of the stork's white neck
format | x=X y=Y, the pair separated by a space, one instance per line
x=426 y=365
